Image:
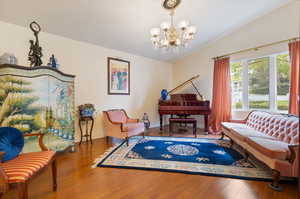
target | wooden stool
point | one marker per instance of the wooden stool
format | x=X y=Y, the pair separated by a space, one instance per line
x=183 y=121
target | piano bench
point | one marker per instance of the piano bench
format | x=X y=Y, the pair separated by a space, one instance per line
x=183 y=121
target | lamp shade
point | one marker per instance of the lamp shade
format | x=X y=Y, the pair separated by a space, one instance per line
x=183 y=24
x=165 y=26
x=155 y=32
x=165 y=43
x=192 y=30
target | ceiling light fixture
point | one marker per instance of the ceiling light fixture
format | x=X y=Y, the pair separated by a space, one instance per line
x=168 y=36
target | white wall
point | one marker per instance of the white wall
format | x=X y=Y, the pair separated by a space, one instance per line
x=89 y=63
x=281 y=24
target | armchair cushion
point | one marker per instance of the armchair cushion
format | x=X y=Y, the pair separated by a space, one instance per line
x=117 y=116
x=25 y=165
x=11 y=142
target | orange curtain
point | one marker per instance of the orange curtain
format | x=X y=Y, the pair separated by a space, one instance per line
x=221 y=101
x=294 y=49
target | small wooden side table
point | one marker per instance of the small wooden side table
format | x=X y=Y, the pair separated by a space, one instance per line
x=88 y=133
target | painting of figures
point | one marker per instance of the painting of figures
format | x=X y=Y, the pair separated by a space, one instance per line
x=118 y=76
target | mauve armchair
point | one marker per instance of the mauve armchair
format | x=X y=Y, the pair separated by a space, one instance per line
x=117 y=124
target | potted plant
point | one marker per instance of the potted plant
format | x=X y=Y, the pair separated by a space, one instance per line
x=86 y=110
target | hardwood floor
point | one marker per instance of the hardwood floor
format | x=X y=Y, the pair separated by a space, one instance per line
x=77 y=180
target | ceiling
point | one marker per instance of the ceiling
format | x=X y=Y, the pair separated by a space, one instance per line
x=125 y=24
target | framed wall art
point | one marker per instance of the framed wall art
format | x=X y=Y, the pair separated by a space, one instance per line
x=118 y=76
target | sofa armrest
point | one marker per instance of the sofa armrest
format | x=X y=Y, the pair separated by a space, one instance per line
x=131 y=120
x=294 y=152
x=41 y=142
x=238 y=121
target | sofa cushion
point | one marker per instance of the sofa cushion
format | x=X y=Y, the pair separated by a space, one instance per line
x=230 y=125
x=271 y=148
x=244 y=132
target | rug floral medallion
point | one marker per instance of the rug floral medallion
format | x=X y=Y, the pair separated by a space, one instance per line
x=186 y=155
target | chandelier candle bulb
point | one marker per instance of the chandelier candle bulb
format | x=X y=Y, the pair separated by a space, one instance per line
x=192 y=30
x=165 y=43
x=165 y=26
x=155 y=32
x=183 y=25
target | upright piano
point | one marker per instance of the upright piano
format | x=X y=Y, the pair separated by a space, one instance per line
x=184 y=105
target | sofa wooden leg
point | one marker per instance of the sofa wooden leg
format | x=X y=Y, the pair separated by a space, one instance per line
x=22 y=190
x=222 y=136
x=107 y=139
x=275 y=184
x=246 y=157
x=54 y=175
x=231 y=143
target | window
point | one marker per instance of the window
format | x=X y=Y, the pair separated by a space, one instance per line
x=283 y=81
x=261 y=83
x=258 y=78
x=237 y=85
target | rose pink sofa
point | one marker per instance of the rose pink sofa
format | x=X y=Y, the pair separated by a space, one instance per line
x=272 y=138
x=117 y=124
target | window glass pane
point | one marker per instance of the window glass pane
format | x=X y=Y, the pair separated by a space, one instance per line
x=236 y=85
x=283 y=81
x=258 y=73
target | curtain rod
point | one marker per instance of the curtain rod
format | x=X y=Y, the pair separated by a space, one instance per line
x=257 y=47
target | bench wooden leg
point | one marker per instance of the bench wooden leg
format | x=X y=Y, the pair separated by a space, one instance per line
x=275 y=184
x=54 y=175
x=22 y=190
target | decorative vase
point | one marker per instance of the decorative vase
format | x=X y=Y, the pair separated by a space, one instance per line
x=86 y=110
x=8 y=58
x=164 y=94
x=146 y=121
x=53 y=62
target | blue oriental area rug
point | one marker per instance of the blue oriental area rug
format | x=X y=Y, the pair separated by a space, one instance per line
x=186 y=155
